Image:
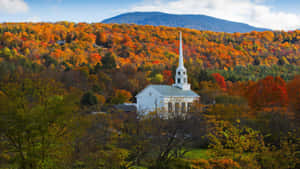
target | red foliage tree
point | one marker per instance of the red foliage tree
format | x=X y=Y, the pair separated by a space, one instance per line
x=293 y=89
x=220 y=80
x=95 y=58
x=168 y=79
x=268 y=92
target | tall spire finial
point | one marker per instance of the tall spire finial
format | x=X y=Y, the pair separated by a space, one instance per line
x=180 y=52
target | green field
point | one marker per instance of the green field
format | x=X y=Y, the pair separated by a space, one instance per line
x=197 y=154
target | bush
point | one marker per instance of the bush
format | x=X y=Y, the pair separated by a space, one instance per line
x=200 y=163
x=89 y=99
x=173 y=164
x=213 y=164
x=121 y=96
x=224 y=164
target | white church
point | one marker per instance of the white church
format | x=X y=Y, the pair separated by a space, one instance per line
x=169 y=100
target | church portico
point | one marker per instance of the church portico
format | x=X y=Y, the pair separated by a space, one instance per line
x=178 y=104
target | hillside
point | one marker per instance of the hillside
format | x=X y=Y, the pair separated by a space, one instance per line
x=88 y=43
x=28 y=47
x=62 y=87
x=143 y=46
x=199 y=22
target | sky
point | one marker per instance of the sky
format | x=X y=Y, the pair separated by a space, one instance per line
x=272 y=14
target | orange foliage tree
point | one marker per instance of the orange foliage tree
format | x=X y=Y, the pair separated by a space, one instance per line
x=121 y=96
x=95 y=58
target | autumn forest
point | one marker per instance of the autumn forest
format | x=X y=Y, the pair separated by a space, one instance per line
x=60 y=84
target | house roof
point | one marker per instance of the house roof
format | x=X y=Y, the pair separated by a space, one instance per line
x=126 y=107
x=170 y=91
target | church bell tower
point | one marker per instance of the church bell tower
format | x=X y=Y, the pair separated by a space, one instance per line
x=181 y=77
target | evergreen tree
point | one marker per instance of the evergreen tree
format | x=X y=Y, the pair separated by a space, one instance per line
x=109 y=61
x=89 y=99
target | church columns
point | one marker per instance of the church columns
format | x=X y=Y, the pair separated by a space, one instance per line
x=177 y=108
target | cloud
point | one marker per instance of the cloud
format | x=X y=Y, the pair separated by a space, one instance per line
x=252 y=12
x=34 y=19
x=13 y=6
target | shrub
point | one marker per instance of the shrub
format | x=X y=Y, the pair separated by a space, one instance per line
x=89 y=99
x=200 y=164
x=224 y=164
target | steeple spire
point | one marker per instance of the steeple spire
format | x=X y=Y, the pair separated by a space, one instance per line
x=181 y=78
x=180 y=64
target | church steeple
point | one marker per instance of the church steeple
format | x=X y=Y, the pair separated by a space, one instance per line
x=181 y=78
x=180 y=64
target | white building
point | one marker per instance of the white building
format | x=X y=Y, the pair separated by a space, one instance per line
x=169 y=100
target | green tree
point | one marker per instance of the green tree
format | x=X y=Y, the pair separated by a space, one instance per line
x=247 y=147
x=256 y=61
x=109 y=61
x=228 y=141
x=158 y=78
x=6 y=53
x=89 y=99
x=204 y=76
x=35 y=118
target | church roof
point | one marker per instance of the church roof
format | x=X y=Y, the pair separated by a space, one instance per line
x=166 y=90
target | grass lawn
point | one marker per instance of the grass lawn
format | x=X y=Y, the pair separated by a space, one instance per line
x=197 y=153
x=138 y=167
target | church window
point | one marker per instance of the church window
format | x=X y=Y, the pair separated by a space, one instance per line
x=178 y=73
x=178 y=80
x=170 y=107
x=184 y=80
x=176 y=108
x=184 y=73
x=183 y=107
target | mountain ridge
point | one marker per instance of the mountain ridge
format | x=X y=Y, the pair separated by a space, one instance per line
x=192 y=21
